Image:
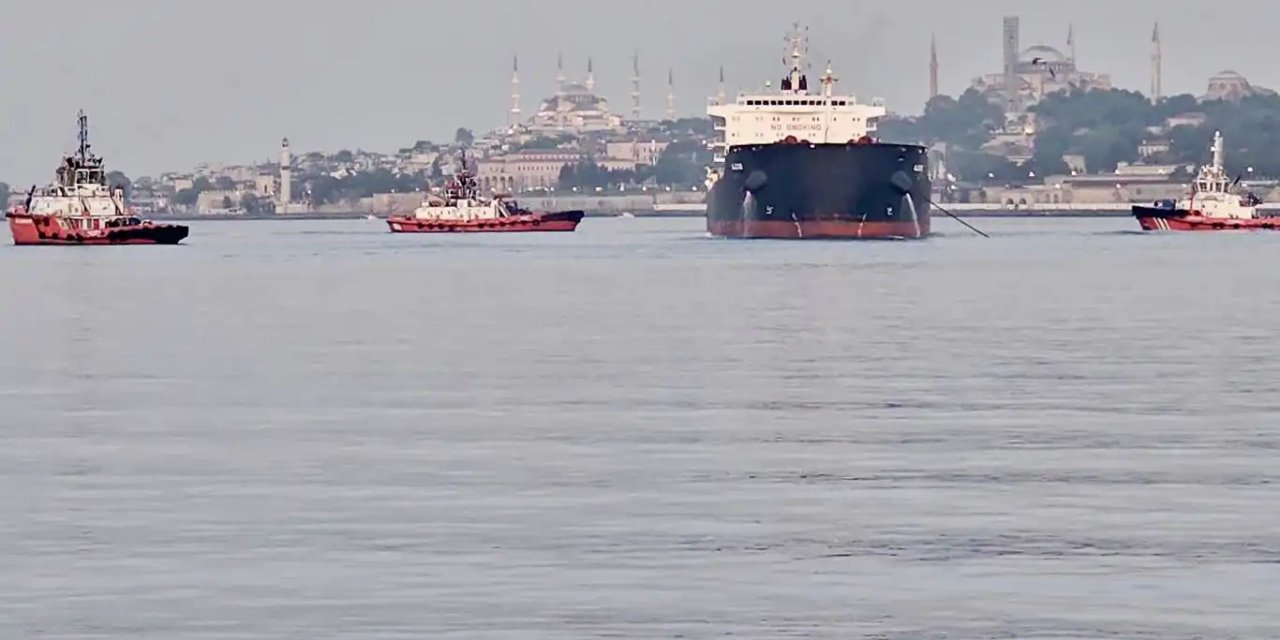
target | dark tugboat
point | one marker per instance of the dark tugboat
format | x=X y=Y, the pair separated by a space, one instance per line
x=463 y=210
x=796 y=165
x=1211 y=207
x=80 y=209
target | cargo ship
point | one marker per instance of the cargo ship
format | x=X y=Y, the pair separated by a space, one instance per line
x=463 y=210
x=1211 y=206
x=793 y=164
x=79 y=208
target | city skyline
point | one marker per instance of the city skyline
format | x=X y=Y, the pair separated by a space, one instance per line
x=178 y=85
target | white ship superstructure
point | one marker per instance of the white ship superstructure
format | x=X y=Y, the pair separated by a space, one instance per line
x=80 y=193
x=462 y=202
x=791 y=112
x=1212 y=197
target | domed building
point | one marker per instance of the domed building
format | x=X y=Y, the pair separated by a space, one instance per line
x=1232 y=87
x=1039 y=71
x=1032 y=73
x=575 y=108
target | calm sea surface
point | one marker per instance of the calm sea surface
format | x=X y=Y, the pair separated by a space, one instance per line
x=321 y=430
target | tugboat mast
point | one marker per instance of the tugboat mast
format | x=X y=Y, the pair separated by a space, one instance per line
x=83 y=120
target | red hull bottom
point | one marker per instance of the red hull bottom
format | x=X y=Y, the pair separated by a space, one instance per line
x=1198 y=223
x=818 y=229
x=37 y=230
x=514 y=224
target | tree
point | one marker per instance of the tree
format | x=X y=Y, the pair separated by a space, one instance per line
x=976 y=166
x=201 y=184
x=118 y=180
x=227 y=203
x=223 y=183
x=967 y=122
x=186 y=197
x=1178 y=105
x=1105 y=127
x=344 y=156
x=682 y=164
x=463 y=137
x=698 y=127
x=251 y=203
x=568 y=176
x=543 y=143
x=323 y=189
x=5 y=192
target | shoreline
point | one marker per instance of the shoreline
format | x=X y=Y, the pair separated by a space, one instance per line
x=973 y=213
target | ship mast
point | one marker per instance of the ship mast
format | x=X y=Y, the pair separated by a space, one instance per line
x=829 y=81
x=83 y=121
x=798 y=48
x=1218 y=159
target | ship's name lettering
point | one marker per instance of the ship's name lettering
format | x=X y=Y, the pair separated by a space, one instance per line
x=795 y=127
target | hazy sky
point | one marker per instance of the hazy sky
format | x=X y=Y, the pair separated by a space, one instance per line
x=169 y=83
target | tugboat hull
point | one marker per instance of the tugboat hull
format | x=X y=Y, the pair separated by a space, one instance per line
x=29 y=230
x=1158 y=219
x=564 y=221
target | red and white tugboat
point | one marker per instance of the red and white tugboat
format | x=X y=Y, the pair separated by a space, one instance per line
x=1211 y=207
x=80 y=209
x=462 y=210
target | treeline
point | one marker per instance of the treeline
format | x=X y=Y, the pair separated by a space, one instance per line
x=328 y=189
x=682 y=165
x=1104 y=127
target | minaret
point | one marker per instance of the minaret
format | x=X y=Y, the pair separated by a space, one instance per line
x=560 y=74
x=591 y=76
x=933 y=67
x=671 y=94
x=513 y=118
x=1157 y=63
x=1011 y=51
x=635 y=86
x=721 y=95
x=286 y=178
x=1071 y=41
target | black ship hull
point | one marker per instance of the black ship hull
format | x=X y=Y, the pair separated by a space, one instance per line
x=817 y=191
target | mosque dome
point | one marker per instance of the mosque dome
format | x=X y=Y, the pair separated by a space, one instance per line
x=575 y=106
x=1044 y=52
x=1230 y=85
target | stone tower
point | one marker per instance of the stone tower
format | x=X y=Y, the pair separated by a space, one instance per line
x=635 y=86
x=513 y=117
x=286 y=178
x=1157 y=64
x=1011 y=51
